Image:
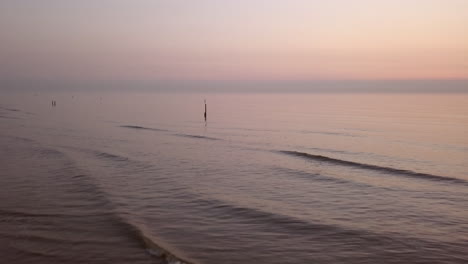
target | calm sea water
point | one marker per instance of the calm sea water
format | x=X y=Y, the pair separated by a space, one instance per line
x=269 y=178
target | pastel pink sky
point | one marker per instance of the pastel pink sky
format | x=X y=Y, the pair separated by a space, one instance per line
x=233 y=39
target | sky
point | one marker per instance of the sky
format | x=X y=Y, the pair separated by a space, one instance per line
x=233 y=40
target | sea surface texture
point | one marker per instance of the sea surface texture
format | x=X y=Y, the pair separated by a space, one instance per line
x=119 y=177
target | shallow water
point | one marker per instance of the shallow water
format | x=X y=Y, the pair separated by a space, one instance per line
x=269 y=178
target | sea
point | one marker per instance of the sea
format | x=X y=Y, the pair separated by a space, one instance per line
x=267 y=178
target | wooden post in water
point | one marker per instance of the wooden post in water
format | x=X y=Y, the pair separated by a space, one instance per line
x=205 y=110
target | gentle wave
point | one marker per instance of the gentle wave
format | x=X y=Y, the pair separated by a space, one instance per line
x=9 y=117
x=113 y=157
x=48 y=152
x=320 y=177
x=328 y=133
x=24 y=214
x=334 y=151
x=290 y=225
x=263 y=218
x=396 y=171
x=22 y=139
x=40 y=253
x=196 y=136
x=10 y=109
x=98 y=154
x=144 y=128
x=45 y=238
x=176 y=134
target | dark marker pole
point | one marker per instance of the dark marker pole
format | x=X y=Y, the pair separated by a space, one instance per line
x=205 y=109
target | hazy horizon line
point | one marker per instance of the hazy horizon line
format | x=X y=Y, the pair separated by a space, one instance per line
x=280 y=86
